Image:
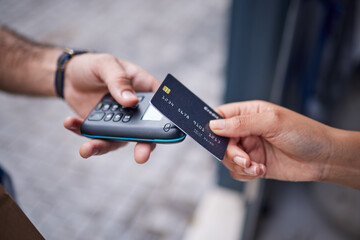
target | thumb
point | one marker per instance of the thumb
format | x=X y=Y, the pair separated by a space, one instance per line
x=119 y=84
x=259 y=124
x=123 y=93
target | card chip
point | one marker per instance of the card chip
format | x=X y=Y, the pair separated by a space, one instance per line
x=166 y=89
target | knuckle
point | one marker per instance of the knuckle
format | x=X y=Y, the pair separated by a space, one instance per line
x=236 y=122
x=274 y=117
x=106 y=57
x=276 y=114
x=103 y=60
x=260 y=102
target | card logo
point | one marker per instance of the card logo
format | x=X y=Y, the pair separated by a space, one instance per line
x=166 y=89
x=214 y=115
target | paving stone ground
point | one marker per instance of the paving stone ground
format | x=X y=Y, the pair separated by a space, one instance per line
x=111 y=197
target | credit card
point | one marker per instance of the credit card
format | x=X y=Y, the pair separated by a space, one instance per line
x=190 y=114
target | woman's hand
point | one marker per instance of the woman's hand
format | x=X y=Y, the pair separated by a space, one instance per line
x=270 y=141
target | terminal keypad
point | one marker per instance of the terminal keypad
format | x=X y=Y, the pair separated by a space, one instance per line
x=109 y=110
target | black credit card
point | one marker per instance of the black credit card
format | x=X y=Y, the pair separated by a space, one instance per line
x=190 y=114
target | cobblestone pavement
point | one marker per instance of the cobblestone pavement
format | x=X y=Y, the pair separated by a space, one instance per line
x=111 y=197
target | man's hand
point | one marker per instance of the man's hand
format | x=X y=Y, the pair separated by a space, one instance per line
x=88 y=77
x=29 y=68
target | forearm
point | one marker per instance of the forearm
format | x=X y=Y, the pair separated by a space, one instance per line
x=26 y=67
x=343 y=166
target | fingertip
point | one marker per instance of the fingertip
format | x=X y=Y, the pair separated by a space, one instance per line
x=73 y=124
x=126 y=97
x=256 y=169
x=68 y=122
x=252 y=170
x=141 y=158
x=217 y=125
x=156 y=84
x=83 y=154
x=262 y=169
x=241 y=161
x=237 y=155
x=142 y=152
x=86 y=150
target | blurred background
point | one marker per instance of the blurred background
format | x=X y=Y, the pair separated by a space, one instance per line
x=300 y=54
x=112 y=197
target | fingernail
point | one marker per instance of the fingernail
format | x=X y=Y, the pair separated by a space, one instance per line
x=262 y=170
x=240 y=161
x=128 y=94
x=218 y=124
x=95 y=152
x=73 y=128
x=251 y=171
